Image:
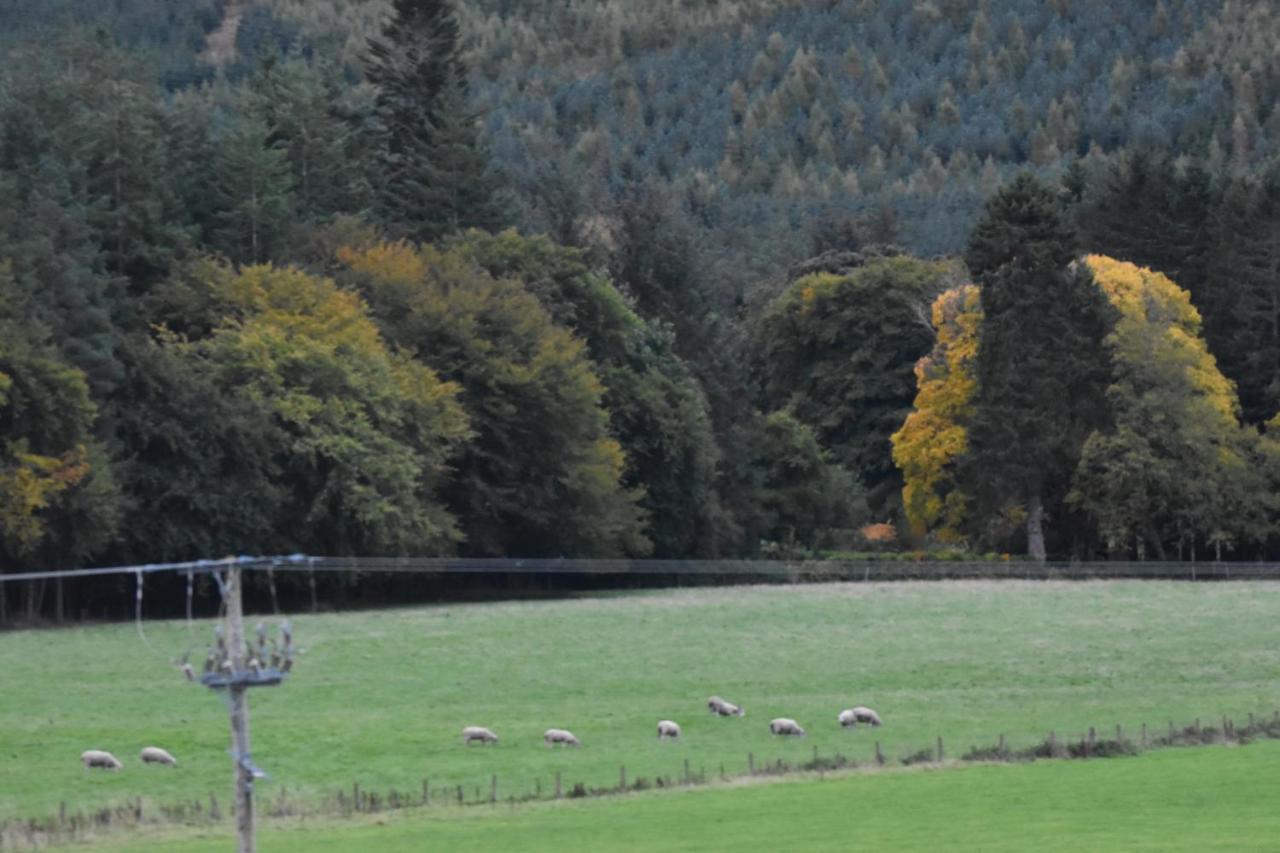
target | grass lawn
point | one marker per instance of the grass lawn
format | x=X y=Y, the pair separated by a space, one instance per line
x=1208 y=798
x=380 y=697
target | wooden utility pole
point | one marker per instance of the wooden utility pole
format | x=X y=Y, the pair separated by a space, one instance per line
x=239 y=704
x=235 y=667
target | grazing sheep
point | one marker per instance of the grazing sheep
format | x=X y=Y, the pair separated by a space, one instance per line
x=860 y=714
x=554 y=736
x=479 y=733
x=722 y=708
x=156 y=755
x=100 y=758
x=785 y=726
x=668 y=729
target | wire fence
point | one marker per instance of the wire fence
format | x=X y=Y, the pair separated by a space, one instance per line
x=848 y=570
x=300 y=581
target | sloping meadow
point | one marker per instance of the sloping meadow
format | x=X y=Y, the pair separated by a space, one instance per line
x=378 y=699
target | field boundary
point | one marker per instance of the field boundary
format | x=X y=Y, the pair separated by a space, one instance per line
x=890 y=568
x=69 y=826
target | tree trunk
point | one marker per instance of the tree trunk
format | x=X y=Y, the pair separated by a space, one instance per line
x=1035 y=527
x=35 y=599
x=1156 y=544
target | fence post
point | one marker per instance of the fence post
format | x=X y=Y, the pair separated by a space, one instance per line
x=686 y=771
x=1000 y=746
x=557 y=784
x=751 y=763
x=1119 y=733
x=941 y=755
x=1144 y=735
x=622 y=777
x=493 y=789
x=879 y=755
x=1053 y=744
x=459 y=795
x=426 y=792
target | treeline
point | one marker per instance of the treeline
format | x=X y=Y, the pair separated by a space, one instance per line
x=324 y=293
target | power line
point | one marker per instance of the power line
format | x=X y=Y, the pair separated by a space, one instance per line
x=808 y=570
x=195 y=566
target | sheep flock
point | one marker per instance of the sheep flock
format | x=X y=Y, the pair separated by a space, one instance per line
x=670 y=730
x=667 y=730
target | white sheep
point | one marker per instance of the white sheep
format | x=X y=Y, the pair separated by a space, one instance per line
x=860 y=714
x=100 y=758
x=156 y=755
x=668 y=729
x=479 y=733
x=724 y=708
x=786 y=727
x=554 y=736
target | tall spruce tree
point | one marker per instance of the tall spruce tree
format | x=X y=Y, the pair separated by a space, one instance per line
x=1041 y=366
x=435 y=172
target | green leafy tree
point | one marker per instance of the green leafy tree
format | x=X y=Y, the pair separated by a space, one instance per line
x=799 y=494
x=1041 y=366
x=57 y=498
x=364 y=434
x=199 y=463
x=290 y=425
x=542 y=475
x=656 y=408
x=838 y=349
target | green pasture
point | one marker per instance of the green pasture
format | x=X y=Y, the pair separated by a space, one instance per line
x=379 y=698
x=1208 y=798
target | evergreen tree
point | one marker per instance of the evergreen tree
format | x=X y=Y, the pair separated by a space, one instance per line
x=435 y=173
x=1041 y=367
x=459 y=190
x=252 y=187
x=1240 y=297
x=312 y=116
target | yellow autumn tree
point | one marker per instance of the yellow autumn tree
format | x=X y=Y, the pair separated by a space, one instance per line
x=934 y=434
x=1175 y=467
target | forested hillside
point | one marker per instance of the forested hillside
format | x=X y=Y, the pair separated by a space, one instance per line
x=598 y=278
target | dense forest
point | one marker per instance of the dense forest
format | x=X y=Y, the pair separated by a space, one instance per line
x=672 y=279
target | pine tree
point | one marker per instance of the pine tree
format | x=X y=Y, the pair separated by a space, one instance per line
x=459 y=190
x=1041 y=368
x=253 y=188
x=435 y=176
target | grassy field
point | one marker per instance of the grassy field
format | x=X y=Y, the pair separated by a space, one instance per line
x=1207 y=798
x=379 y=697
